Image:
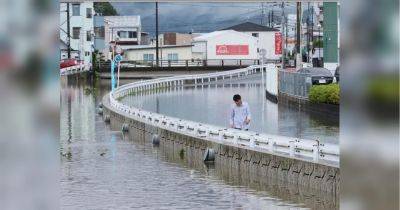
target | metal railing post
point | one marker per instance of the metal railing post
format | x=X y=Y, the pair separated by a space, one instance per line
x=291 y=148
x=252 y=141
x=316 y=150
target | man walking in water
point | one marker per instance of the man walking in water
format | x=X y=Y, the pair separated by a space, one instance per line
x=239 y=115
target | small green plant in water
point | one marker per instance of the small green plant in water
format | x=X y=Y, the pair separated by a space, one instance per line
x=182 y=153
x=87 y=90
x=68 y=154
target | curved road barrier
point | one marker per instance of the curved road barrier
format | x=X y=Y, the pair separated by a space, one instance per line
x=302 y=149
x=309 y=165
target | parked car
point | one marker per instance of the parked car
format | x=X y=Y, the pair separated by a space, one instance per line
x=318 y=75
x=68 y=62
x=337 y=74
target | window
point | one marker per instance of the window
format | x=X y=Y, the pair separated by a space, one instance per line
x=148 y=57
x=76 y=9
x=87 y=53
x=173 y=56
x=88 y=12
x=127 y=34
x=88 y=36
x=132 y=34
x=99 y=32
x=255 y=34
x=76 y=31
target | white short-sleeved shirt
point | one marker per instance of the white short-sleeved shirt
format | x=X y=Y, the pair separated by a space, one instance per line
x=238 y=115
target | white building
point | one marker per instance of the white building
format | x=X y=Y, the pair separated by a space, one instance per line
x=81 y=29
x=126 y=30
x=226 y=44
x=269 y=39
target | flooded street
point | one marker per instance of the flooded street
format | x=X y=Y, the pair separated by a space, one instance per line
x=102 y=169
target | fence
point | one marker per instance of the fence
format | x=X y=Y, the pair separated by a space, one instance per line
x=186 y=63
x=306 y=149
x=294 y=84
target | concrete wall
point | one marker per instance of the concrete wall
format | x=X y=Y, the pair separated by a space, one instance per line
x=292 y=172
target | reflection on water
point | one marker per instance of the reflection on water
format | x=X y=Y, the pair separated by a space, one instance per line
x=100 y=169
x=210 y=104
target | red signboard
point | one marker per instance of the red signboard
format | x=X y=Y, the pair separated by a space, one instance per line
x=232 y=49
x=278 y=43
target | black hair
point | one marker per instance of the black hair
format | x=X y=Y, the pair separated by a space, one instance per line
x=236 y=97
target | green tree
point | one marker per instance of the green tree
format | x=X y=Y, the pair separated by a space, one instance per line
x=318 y=44
x=105 y=9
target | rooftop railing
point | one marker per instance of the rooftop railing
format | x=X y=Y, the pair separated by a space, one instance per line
x=74 y=69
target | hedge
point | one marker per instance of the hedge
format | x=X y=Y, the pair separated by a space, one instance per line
x=329 y=94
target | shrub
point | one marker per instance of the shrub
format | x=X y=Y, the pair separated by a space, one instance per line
x=329 y=94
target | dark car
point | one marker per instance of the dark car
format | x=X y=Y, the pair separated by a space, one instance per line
x=337 y=74
x=318 y=75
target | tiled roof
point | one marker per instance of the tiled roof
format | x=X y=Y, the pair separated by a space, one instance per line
x=248 y=26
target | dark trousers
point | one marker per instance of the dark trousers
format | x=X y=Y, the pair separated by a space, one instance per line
x=315 y=62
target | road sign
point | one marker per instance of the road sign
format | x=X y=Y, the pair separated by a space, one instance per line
x=118 y=58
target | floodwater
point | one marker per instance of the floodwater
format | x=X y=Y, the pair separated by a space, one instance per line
x=102 y=169
x=210 y=104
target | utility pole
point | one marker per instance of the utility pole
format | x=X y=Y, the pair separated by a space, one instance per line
x=283 y=34
x=298 y=16
x=308 y=32
x=269 y=18
x=68 y=34
x=262 y=13
x=312 y=25
x=157 y=59
x=272 y=18
x=287 y=31
x=298 y=36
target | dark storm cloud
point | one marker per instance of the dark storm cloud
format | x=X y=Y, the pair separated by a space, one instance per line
x=197 y=17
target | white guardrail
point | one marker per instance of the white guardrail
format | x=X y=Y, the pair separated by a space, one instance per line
x=310 y=150
x=74 y=69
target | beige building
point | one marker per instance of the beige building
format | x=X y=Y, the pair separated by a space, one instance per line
x=166 y=52
x=176 y=39
x=173 y=38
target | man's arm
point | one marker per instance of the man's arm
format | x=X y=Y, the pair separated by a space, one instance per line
x=248 y=114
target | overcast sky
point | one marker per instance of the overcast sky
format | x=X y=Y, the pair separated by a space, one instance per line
x=197 y=17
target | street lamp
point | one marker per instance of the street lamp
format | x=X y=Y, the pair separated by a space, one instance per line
x=114 y=46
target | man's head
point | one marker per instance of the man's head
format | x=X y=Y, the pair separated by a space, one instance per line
x=237 y=99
